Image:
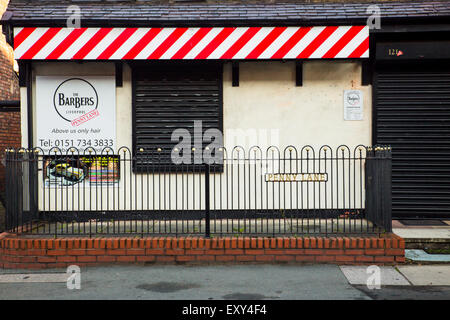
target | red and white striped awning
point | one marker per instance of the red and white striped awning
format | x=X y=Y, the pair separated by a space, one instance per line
x=191 y=43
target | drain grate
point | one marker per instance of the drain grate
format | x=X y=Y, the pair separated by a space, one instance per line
x=415 y=222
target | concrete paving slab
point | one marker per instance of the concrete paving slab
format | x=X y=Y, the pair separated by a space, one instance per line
x=420 y=255
x=33 y=277
x=422 y=233
x=435 y=275
x=358 y=275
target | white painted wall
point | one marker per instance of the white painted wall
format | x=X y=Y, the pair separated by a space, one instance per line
x=267 y=105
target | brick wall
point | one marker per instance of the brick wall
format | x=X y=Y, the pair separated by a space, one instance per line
x=57 y=253
x=10 y=135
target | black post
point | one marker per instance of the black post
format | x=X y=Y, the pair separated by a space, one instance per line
x=379 y=187
x=386 y=187
x=207 y=205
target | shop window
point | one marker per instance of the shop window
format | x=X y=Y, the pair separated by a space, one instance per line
x=171 y=96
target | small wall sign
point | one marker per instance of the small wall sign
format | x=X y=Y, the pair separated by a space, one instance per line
x=353 y=105
x=296 y=177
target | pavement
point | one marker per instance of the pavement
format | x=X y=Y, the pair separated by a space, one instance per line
x=419 y=281
x=230 y=282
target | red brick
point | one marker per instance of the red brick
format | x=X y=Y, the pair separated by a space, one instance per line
x=46 y=259
x=165 y=258
x=325 y=258
x=76 y=252
x=126 y=258
x=280 y=242
x=346 y=243
x=345 y=258
x=254 y=251
x=364 y=258
x=400 y=259
x=273 y=243
x=106 y=259
x=205 y=258
x=245 y=258
x=98 y=252
x=306 y=243
x=319 y=243
x=265 y=258
x=374 y=252
x=284 y=258
x=274 y=251
x=114 y=252
x=294 y=251
x=384 y=259
x=145 y=258
x=234 y=251
x=224 y=258
x=66 y=259
x=86 y=258
x=374 y=244
x=305 y=258
x=215 y=251
x=195 y=251
x=313 y=251
x=395 y=252
x=354 y=252
x=136 y=252
x=56 y=252
x=313 y=242
x=260 y=243
x=36 y=252
x=246 y=242
x=334 y=252
x=172 y=252
x=185 y=258
x=154 y=251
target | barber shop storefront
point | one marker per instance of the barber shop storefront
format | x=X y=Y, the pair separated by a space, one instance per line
x=125 y=96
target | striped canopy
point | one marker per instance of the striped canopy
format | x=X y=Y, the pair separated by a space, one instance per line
x=191 y=43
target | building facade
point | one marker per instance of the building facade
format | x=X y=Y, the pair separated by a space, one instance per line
x=130 y=73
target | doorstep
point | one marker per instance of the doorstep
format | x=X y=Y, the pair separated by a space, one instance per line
x=423 y=237
x=17 y=252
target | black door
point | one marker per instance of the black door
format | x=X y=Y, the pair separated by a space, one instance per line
x=412 y=114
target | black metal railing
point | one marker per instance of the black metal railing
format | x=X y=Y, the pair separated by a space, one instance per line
x=242 y=192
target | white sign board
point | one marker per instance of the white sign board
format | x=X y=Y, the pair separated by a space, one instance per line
x=75 y=112
x=353 y=105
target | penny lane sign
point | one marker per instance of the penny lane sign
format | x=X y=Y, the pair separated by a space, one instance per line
x=296 y=177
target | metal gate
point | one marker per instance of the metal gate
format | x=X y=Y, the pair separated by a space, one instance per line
x=412 y=114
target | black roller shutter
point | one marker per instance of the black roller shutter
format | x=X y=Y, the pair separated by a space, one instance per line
x=169 y=97
x=412 y=114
